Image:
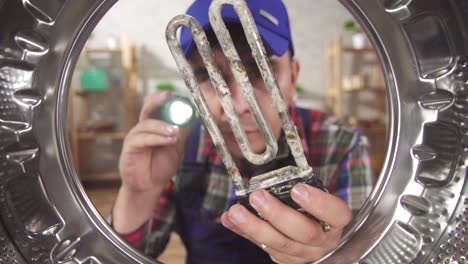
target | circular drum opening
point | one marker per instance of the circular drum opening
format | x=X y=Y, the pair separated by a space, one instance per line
x=416 y=212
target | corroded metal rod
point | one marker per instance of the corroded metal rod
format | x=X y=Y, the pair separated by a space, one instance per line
x=259 y=54
x=218 y=82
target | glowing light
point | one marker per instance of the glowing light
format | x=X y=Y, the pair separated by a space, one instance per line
x=180 y=112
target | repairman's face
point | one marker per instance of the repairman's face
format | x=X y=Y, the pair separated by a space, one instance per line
x=285 y=70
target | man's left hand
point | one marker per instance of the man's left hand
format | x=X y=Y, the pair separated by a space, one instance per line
x=287 y=235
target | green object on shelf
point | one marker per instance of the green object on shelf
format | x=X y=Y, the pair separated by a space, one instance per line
x=299 y=89
x=165 y=86
x=93 y=80
x=352 y=26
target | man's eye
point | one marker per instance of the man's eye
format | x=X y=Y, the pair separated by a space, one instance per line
x=254 y=75
x=253 y=72
x=202 y=75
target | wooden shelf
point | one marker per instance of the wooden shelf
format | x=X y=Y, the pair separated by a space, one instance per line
x=83 y=93
x=350 y=75
x=378 y=129
x=354 y=50
x=351 y=72
x=366 y=89
x=103 y=50
x=374 y=125
x=96 y=177
x=83 y=132
x=95 y=134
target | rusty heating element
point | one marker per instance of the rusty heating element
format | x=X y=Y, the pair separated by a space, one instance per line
x=280 y=181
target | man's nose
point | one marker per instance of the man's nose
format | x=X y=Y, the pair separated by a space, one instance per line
x=238 y=99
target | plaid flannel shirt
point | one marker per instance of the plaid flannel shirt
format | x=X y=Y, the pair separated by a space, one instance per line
x=339 y=156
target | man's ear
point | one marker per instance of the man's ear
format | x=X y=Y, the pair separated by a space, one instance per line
x=295 y=69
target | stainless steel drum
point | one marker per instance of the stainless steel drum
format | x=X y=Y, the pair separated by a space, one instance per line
x=417 y=213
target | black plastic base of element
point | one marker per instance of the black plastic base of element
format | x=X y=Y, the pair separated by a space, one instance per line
x=283 y=193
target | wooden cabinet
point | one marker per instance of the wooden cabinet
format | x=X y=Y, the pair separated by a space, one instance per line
x=354 y=74
x=88 y=127
x=351 y=71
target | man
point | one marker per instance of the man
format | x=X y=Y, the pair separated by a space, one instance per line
x=200 y=203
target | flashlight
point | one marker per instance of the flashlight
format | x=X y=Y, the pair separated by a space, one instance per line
x=177 y=110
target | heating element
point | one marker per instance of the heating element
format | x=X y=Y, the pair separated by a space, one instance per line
x=280 y=181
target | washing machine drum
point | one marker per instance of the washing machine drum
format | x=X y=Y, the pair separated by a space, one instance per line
x=417 y=213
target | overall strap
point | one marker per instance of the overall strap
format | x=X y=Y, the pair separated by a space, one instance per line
x=193 y=142
x=305 y=117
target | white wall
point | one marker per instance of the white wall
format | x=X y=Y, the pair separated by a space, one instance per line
x=314 y=24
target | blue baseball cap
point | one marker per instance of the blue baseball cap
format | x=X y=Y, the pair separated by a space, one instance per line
x=270 y=17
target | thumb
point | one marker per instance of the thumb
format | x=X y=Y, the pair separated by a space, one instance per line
x=152 y=102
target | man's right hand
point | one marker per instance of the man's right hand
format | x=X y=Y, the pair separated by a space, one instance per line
x=151 y=154
x=152 y=150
